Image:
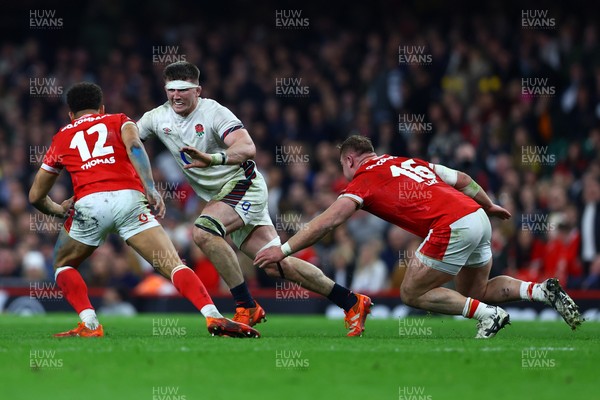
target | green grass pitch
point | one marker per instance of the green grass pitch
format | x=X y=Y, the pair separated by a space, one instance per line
x=172 y=356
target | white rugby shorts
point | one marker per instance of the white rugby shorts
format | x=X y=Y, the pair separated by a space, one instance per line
x=125 y=212
x=466 y=242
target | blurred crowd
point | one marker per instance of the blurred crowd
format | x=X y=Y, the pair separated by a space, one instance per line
x=516 y=108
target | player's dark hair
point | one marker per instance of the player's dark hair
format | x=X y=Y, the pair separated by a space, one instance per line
x=358 y=144
x=84 y=96
x=181 y=71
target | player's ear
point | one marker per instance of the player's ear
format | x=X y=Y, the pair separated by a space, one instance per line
x=102 y=109
x=350 y=160
x=71 y=116
x=198 y=91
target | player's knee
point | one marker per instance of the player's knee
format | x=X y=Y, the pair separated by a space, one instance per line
x=201 y=237
x=409 y=295
x=207 y=227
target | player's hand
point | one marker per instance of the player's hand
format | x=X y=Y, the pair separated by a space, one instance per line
x=269 y=255
x=199 y=159
x=497 y=211
x=67 y=205
x=157 y=202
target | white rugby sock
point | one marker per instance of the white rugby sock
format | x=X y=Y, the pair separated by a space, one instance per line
x=210 y=310
x=524 y=290
x=477 y=309
x=532 y=292
x=89 y=318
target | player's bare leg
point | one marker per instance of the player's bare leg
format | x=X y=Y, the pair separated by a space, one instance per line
x=155 y=246
x=421 y=288
x=214 y=245
x=356 y=306
x=68 y=254
x=217 y=220
x=475 y=282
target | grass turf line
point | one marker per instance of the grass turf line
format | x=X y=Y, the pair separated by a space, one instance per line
x=172 y=356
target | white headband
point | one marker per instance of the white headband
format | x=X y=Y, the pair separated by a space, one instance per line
x=180 y=85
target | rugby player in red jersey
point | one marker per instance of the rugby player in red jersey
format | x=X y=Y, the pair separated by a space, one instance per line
x=113 y=186
x=450 y=216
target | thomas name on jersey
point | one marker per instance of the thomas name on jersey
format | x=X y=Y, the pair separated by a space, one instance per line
x=96 y=161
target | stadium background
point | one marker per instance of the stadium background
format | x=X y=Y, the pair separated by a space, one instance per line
x=476 y=86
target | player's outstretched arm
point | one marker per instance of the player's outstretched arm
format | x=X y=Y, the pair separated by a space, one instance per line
x=464 y=183
x=468 y=186
x=139 y=158
x=240 y=148
x=38 y=195
x=335 y=215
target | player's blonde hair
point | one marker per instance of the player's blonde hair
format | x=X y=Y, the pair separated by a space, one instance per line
x=358 y=144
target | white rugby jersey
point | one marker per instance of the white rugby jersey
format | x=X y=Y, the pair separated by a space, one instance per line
x=205 y=129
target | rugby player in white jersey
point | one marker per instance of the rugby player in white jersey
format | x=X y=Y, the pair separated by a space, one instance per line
x=215 y=152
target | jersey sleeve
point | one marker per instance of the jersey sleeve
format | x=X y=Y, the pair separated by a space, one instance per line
x=145 y=126
x=124 y=119
x=448 y=175
x=226 y=122
x=356 y=191
x=52 y=159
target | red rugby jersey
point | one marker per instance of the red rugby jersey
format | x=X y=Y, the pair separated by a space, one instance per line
x=408 y=193
x=91 y=149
